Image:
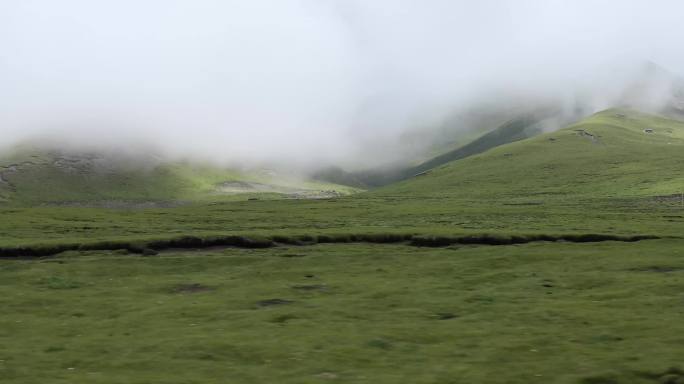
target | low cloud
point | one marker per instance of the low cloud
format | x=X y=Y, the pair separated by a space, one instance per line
x=307 y=81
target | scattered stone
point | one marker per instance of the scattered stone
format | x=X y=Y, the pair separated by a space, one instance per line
x=594 y=138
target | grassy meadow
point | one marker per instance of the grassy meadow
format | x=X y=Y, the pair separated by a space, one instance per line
x=533 y=313
x=326 y=303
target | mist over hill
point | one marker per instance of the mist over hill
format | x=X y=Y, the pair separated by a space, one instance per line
x=321 y=83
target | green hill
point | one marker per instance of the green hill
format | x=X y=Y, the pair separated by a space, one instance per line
x=524 y=126
x=520 y=128
x=603 y=175
x=491 y=123
x=30 y=175
x=615 y=153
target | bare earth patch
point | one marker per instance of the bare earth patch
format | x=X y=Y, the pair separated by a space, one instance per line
x=191 y=288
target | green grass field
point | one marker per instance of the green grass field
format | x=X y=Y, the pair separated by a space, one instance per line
x=542 y=312
x=31 y=175
x=535 y=313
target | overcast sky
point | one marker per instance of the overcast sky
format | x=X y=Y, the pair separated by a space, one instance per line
x=307 y=80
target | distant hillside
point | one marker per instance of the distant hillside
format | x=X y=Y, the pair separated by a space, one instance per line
x=490 y=123
x=522 y=127
x=615 y=153
x=33 y=175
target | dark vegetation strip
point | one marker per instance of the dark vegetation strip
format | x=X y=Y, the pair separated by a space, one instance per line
x=444 y=241
x=194 y=242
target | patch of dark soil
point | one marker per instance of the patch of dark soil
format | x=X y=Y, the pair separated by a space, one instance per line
x=281 y=319
x=446 y=316
x=526 y=203
x=149 y=252
x=670 y=376
x=445 y=241
x=191 y=288
x=194 y=242
x=209 y=242
x=310 y=287
x=291 y=240
x=34 y=252
x=673 y=375
x=292 y=255
x=657 y=269
x=273 y=302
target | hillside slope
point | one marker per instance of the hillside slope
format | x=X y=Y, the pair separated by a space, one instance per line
x=38 y=176
x=516 y=129
x=521 y=127
x=604 y=175
x=490 y=123
x=615 y=153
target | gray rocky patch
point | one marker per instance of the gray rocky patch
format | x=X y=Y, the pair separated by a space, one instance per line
x=246 y=186
x=594 y=138
x=236 y=187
